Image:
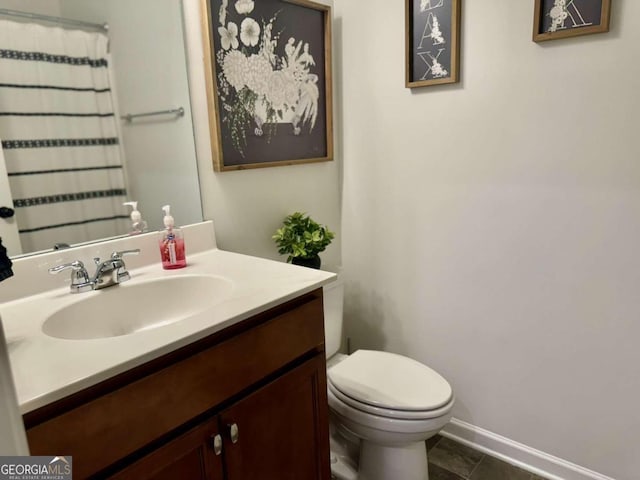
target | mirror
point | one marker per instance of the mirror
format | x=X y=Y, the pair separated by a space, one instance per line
x=69 y=164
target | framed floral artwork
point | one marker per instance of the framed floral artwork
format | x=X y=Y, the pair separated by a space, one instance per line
x=555 y=19
x=268 y=68
x=432 y=39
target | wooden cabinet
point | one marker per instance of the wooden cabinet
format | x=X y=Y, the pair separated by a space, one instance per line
x=258 y=388
x=191 y=456
x=274 y=433
x=280 y=429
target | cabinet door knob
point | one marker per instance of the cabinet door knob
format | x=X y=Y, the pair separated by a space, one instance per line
x=217 y=444
x=233 y=432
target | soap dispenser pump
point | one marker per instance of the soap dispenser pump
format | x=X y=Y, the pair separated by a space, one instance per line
x=138 y=225
x=172 y=249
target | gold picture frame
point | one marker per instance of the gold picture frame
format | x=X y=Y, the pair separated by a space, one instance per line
x=432 y=42
x=553 y=20
x=269 y=82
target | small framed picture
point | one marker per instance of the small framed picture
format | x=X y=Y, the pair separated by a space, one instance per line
x=555 y=19
x=268 y=72
x=432 y=30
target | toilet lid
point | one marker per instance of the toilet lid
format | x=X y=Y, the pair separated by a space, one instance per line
x=418 y=415
x=390 y=381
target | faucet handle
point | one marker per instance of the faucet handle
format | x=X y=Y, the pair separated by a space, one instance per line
x=79 y=276
x=119 y=254
x=77 y=267
x=122 y=273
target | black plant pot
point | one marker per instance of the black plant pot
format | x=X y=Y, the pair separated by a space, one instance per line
x=312 y=262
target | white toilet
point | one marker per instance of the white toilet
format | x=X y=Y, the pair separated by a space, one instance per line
x=383 y=406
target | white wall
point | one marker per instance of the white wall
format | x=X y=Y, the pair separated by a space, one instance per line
x=146 y=42
x=491 y=228
x=248 y=206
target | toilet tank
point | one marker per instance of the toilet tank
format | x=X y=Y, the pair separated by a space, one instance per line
x=333 y=294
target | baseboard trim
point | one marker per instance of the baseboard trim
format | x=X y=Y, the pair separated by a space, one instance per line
x=517 y=454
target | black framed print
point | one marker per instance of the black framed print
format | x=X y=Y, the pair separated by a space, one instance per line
x=269 y=90
x=555 y=19
x=432 y=31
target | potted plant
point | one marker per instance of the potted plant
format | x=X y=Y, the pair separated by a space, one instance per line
x=302 y=239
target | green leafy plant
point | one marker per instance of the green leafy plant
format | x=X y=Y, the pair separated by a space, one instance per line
x=301 y=237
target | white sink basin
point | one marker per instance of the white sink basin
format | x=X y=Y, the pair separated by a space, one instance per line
x=137 y=306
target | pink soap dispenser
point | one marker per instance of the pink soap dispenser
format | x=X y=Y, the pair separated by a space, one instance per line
x=172 y=250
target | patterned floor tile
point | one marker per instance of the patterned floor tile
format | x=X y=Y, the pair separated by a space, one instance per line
x=439 y=473
x=455 y=457
x=432 y=442
x=493 y=469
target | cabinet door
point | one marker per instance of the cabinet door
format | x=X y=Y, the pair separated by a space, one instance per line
x=192 y=456
x=281 y=431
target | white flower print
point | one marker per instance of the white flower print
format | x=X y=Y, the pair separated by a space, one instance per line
x=244 y=7
x=257 y=85
x=222 y=13
x=558 y=14
x=290 y=47
x=437 y=70
x=234 y=67
x=436 y=33
x=281 y=90
x=297 y=63
x=258 y=72
x=229 y=36
x=249 y=32
x=306 y=59
x=307 y=108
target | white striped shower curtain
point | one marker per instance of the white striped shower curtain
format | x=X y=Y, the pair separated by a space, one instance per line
x=59 y=135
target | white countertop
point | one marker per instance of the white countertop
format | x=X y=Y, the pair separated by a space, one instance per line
x=47 y=369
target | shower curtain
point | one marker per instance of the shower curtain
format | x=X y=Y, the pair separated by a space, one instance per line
x=59 y=135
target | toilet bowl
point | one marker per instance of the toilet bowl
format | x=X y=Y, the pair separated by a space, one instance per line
x=383 y=406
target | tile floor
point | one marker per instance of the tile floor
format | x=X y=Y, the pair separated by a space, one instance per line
x=449 y=460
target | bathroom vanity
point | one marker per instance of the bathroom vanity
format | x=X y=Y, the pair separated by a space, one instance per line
x=234 y=390
x=251 y=397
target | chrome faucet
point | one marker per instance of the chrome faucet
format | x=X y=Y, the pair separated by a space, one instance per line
x=79 y=277
x=109 y=272
x=112 y=271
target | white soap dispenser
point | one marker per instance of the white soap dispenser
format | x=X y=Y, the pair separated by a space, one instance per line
x=138 y=225
x=172 y=251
